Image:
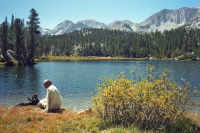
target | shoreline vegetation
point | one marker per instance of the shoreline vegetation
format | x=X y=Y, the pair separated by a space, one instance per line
x=84 y=58
x=32 y=119
x=101 y=58
x=66 y=58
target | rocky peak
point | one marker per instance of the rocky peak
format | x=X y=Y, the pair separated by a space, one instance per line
x=167 y=19
x=194 y=23
x=93 y=24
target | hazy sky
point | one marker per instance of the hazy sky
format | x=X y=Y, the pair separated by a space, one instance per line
x=53 y=12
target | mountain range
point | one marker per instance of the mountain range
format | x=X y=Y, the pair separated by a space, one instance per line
x=164 y=20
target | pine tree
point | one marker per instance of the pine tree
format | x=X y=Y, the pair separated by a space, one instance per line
x=33 y=26
x=19 y=39
x=4 y=40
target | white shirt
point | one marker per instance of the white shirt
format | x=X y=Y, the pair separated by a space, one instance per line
x=53 y=98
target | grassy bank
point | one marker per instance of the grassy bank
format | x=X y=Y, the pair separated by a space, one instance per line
x=54 y=58
x=66 y=58
x=32 y=120
x=71 y=58
x=2 y=63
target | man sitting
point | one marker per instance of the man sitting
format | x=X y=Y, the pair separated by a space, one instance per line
x=53 y=99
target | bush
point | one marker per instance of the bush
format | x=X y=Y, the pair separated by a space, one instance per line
x=152 y=102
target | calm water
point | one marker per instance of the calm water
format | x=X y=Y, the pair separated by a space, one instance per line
x=77 y=79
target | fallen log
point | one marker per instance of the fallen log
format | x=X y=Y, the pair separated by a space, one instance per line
x=87 y=111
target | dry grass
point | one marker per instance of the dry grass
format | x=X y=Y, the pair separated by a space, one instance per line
x=31 y=119
x=81 y=58
x=2 y=63
x=195 y=117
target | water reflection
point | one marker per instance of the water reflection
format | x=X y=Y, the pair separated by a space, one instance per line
x=17 y=83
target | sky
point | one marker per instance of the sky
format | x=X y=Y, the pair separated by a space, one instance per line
x=53 y=12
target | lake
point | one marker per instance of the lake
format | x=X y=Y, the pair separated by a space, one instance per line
x=77 y=79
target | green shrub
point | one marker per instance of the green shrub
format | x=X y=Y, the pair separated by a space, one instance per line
x=152 y=102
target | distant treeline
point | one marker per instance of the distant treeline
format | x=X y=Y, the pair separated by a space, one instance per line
x=102 y=42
